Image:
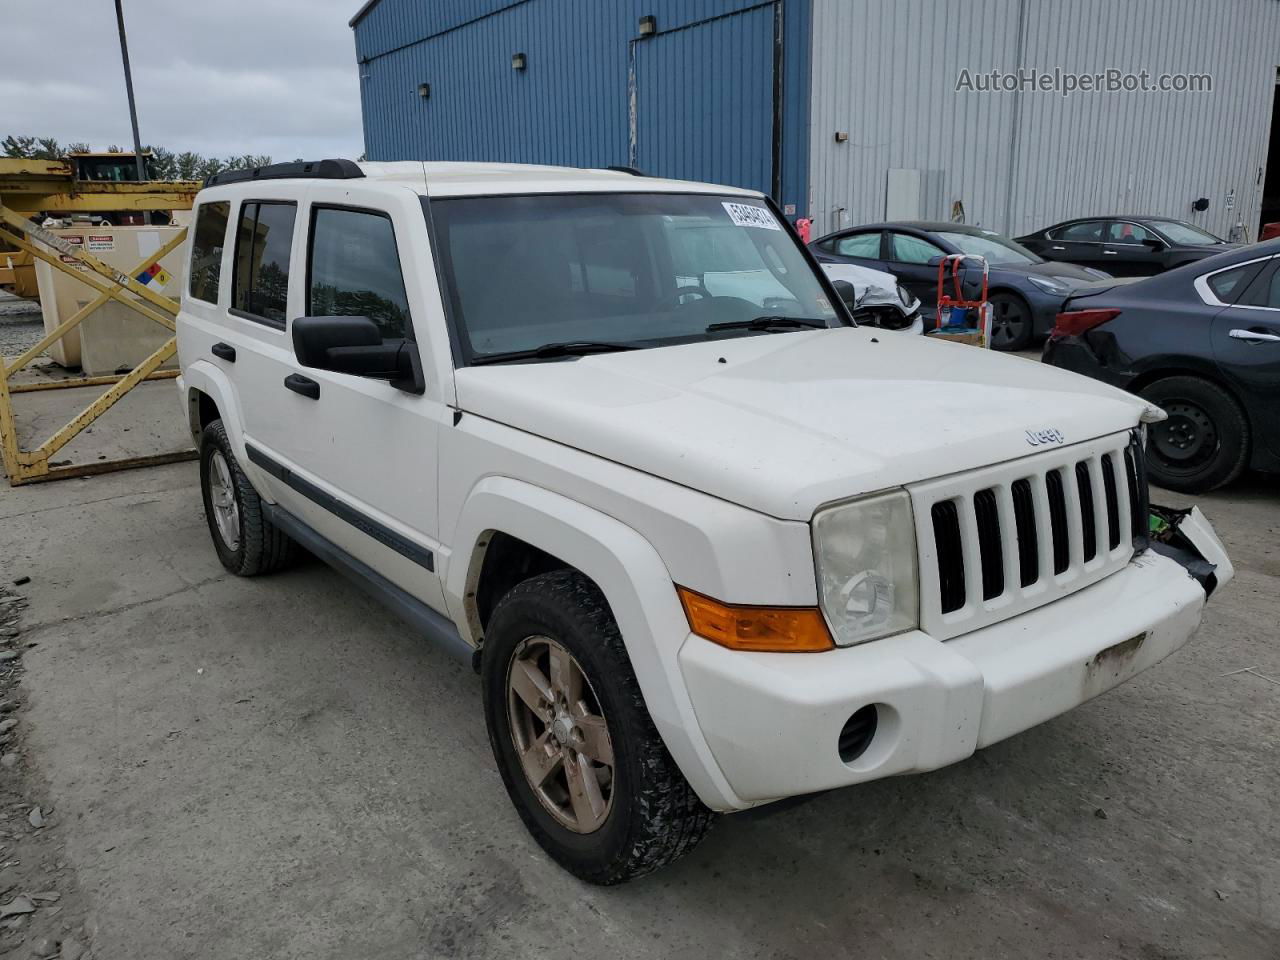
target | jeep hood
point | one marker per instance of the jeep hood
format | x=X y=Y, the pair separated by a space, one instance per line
x=783 y=423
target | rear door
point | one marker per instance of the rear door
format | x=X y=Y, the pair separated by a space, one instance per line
x=1079 y=243
x=702 y=101
x=1246 y=343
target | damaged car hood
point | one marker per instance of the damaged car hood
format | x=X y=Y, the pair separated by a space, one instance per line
x=783 y=423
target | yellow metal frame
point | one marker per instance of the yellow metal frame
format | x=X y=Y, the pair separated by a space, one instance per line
x=28 y=466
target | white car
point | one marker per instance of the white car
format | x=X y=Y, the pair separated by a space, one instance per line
x=708 y=543
x=877 y=298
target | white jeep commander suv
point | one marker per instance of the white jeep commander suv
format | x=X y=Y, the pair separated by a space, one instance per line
x=615 y=440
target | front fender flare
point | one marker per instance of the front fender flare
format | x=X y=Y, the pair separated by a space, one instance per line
x=636 y=584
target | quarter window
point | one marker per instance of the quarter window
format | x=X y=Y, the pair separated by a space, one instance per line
x=865 y=245
x=207 y=240
x=354 y=270
x=1227 y=284
x=263 y=242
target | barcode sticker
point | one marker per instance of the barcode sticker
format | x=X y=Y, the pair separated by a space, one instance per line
x=748 y=215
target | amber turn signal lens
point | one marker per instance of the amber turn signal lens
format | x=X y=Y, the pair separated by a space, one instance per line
x=762 y=629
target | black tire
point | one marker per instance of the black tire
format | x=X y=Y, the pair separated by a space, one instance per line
x=1012 y=326
x=260 y=546
x=1205 y=442
x=654 y=817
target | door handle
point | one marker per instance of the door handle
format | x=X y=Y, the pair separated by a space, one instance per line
x=1254 y=336
x=224 y=351
x=1057 y=248
x=303 y=385
x=1111 y=253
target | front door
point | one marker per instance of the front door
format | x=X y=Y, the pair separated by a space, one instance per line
x=1131 y=250
x=352 y=457
x=702 y=101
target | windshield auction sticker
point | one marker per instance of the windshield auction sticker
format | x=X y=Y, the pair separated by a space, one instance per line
x=747 y=215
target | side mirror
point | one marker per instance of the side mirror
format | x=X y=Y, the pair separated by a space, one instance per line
x=934 y=261
x=354 y=345
x=1153 y=243
x=848 y=293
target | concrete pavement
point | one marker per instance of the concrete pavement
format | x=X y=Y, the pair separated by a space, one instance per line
x=278 y=768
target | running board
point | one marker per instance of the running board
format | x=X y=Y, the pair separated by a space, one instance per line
x=436 y=627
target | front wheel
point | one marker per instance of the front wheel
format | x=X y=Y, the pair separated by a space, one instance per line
x=1204 y=443
x=578 y=753
x=1011 y=325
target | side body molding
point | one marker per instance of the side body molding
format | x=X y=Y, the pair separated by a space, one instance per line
x=636 y=584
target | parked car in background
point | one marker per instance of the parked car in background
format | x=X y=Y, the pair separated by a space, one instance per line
x=876 y=298
x=1026 y=292
x=1125 y=246
x=1203 y=343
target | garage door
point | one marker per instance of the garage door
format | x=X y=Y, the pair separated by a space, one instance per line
x=702 y=103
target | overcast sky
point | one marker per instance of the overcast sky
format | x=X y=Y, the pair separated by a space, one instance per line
x=220 y=77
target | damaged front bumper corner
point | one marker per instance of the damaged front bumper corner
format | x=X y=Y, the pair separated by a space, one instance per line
x=1187 y=537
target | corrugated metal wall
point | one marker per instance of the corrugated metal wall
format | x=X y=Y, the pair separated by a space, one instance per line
x=885 y=71
x=571 y=104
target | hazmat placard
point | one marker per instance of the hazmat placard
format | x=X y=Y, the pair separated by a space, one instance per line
x=154 y=276
x=100 y=243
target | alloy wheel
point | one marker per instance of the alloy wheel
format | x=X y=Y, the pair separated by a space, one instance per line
x=560 y=734
x=222 y=498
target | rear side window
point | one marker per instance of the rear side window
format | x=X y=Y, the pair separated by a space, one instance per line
x=263 y=241
x=1263 y=292
x=1088 y=232
x=207 y=240
x=860 y=245
x=354 y=270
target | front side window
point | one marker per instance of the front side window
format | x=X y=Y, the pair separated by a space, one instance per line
x=263 y=243
x=629 y=270
x=354 y=270
x=1122 y=231
x=904 y=248
x=207 y=239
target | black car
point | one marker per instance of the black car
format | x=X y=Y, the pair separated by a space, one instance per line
x=1026 y=292
x=1125 y=246
x=1201 y=341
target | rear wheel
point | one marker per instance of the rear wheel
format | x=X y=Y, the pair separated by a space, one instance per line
x=1011 y=323
x=246 y=541
x=579 y=754
x=1203 y=444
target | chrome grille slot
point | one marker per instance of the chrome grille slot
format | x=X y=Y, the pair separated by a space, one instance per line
x=1005 y=539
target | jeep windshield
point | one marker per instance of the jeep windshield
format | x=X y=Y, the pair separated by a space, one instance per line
x=537 y=277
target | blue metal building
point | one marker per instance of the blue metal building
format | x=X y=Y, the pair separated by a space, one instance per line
x=705 y=90
x=849 y=111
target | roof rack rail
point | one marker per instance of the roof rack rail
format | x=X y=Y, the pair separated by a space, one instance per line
x=635 y=172
x=314 y=169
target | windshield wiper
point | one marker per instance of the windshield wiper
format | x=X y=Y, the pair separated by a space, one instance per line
x=548 y=351
x=769 y=323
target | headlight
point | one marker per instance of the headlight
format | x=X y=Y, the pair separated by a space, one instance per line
x=905 y=296
x=1049 y=285
x=866 y=562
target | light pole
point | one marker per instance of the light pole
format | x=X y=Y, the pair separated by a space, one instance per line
x=128 y=86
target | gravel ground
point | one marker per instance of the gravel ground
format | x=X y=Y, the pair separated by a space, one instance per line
x=20 y=325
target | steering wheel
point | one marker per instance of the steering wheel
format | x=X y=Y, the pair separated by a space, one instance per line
x=701 y=292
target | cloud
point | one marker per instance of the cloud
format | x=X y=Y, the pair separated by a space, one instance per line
x=237 y=76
